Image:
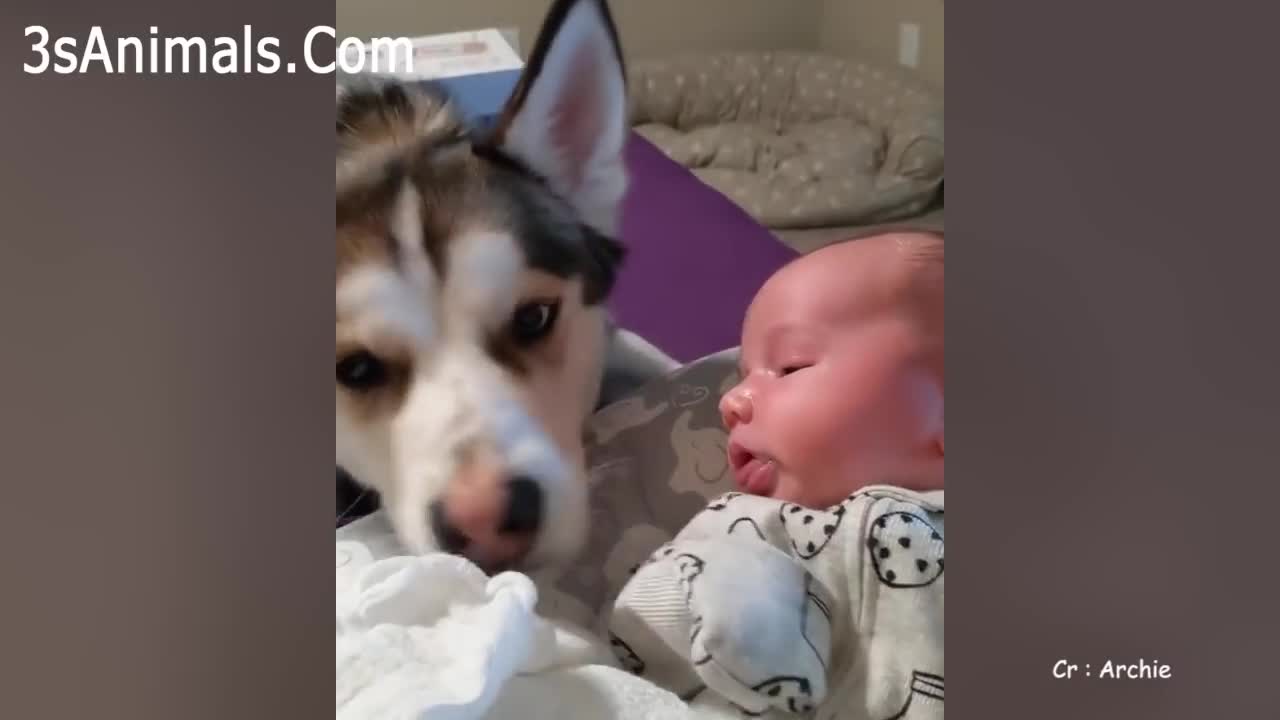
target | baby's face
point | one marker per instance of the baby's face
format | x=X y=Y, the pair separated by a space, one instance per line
x=841 y=377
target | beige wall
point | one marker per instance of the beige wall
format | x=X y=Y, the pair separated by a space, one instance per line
x=648 y=27
x=657 y=27
x=871 y=27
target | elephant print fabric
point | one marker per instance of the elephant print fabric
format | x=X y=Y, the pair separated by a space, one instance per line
x=755 y=605
x=655 y=458
x=924 y=698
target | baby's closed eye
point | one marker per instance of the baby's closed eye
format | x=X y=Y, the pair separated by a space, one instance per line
x=793 y=368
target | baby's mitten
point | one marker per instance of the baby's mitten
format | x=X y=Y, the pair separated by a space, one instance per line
x=734 y=614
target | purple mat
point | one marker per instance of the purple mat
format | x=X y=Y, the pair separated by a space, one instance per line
x=695 y=258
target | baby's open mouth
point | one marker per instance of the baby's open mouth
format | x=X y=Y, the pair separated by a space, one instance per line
x=755 y=473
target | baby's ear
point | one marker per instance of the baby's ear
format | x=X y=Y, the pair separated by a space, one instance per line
x=934 y=416
x=939 y=416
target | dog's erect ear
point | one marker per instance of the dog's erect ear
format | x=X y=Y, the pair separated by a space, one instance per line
x=567 y=118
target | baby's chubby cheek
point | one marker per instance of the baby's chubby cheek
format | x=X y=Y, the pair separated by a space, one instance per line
x=844 y=441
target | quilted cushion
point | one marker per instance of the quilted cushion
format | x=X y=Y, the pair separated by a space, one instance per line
x=799 y=140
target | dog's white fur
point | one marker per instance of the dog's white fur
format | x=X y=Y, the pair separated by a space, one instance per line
x=571 y=129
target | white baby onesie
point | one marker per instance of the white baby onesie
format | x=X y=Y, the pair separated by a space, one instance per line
x=785 y=611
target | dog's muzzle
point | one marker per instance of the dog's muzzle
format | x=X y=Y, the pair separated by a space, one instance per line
x=515 y=517
x=493 y=486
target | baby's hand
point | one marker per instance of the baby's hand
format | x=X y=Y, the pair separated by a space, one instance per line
x=734 y=613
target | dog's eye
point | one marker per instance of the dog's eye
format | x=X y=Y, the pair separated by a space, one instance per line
x=361 y=371
x=533 y=321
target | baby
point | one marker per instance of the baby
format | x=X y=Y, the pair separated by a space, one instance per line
x=819 y=586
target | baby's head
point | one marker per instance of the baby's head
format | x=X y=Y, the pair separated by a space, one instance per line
x=842 y=373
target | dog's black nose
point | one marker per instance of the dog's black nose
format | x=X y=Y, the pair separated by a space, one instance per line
x=449 y=538
x=524 y=506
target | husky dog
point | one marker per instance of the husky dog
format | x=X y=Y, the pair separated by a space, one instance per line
x=472 y=271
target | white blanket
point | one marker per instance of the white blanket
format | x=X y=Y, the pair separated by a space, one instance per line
x=433 y=638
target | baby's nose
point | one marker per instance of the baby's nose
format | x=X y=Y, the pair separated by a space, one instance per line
x=735 y=407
